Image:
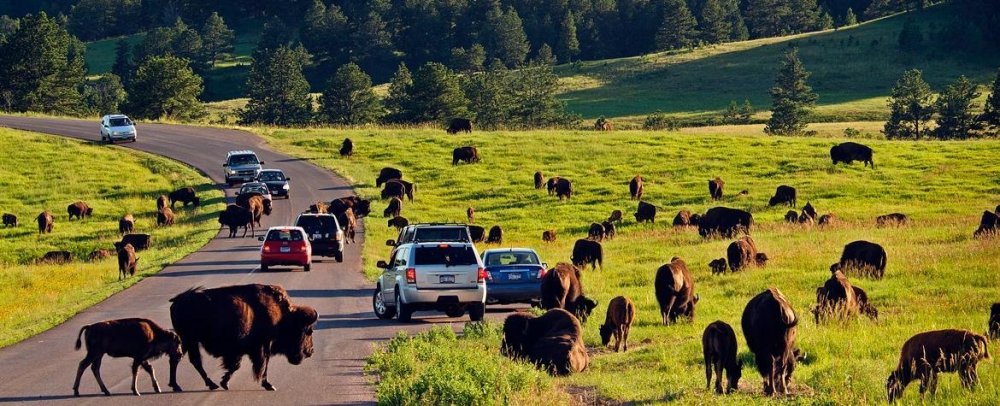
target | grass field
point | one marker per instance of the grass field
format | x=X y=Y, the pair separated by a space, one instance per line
x=937 y=277
x=48 y=172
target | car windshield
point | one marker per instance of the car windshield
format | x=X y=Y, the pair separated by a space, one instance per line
x=272 y=176
x=512 y=258
x=254 y=189
x=445 y=255
x=284 y=235
x=317 y=224
x=445 y=234
x=238 y=160
x=120 y=122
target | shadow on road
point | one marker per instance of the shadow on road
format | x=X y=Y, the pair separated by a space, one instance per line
x=313 y=293
x=217 y=263
x=230 y=271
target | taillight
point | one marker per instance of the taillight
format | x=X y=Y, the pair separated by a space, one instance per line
x=541 y=273
x=411 y=275
x=267 y=248
x=482 y=275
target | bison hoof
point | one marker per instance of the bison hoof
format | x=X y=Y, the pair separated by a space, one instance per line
x=76 y=392
x=268 y=386
x=225 y=384
x=176 y=388
x=212 y=385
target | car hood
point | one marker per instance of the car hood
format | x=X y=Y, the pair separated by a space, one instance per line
x=124 y=128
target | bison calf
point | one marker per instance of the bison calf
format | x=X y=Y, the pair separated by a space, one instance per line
x=926 y=354
x=718 y=344
x=618 y=322
x=549 y=235
x=717 y=266
x=615 y=217
x=399 y=222
x=139 y=339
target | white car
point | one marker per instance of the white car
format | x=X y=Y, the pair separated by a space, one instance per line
x=117 y=127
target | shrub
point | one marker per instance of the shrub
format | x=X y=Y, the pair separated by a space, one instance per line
x=659 y=121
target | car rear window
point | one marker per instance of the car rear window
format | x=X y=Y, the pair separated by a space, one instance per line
x=444 y=255
x=284 y=235
x=512 y=258
x=442 y=234
x=272 y=176
x=317 y=224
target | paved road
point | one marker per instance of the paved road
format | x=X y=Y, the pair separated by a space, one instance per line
x=42 y=368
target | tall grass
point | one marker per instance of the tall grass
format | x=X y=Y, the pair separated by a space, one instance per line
x=47 y=172
x=937 y=276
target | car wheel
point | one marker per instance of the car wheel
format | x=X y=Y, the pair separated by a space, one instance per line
x=403 y=311
x=263 y=268
x=477 y=311
x=338 y=256
x=382 y=310
x=307 y=267
x=457 y=312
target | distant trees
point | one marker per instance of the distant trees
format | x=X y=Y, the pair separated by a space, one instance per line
x=349 y=99
x=955 y=106
x=910 y=38
x=434 y=95
x=567 y=45
x=124 y=63
x=911 y=106
x=165 y=87
x=849 y=18
x=738 y=114
x=277 y=88
x=990 y=119
x=791 y=96
x=42 y=68
x=524 y=98
x=398 y=97
x=217 y=39
x=678 y=28
x=105 y=94
x=96 y=19
x=504 y=38
x=768 y=18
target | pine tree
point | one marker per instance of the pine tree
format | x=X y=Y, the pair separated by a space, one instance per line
x=990 y=119
x=738 y=114
x=217 y=39
x=850 y=19
x=792 y=98
x=544 y=56
x=435 y=95
x=187 y=44
x=399 y=95
x=157 y=42
x=165 y=87
x=348 y=99
x=105 y=95
x=740 y=31
x=678 y=26
x=124 y=64
x=824 y=21
x=567 y=45
x=277 y=88
x=955 y=110
x=715 y=26
x=910 y=38
x=42 y=67
x=470 y=60
x=504 y=36
x=910 y=106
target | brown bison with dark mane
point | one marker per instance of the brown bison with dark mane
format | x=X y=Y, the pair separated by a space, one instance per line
x=553 y=341
x=139 y=339
x=126 y=224
x=684 y=218
x=127 y=261
x=743 y=253
x=849 y=152
x=476 y=233
x=45 y=222
x=459 y=125
x=549 y=235
x=550 y=185
x=165 y=217
x=258 y=321
x=235 y=217
x=347 y=148
x=186 y=196
x=645 y=212
x=561 y=289
x=387 y=174
x=783 y=195
x=9 y=220
x=718 y=344
x=539 y=180
x=989 y=225
x=838 y=298
x=618 y=322
x=587 y=252
x=867 y=258
x=139 y=241
x=926 y=354
x=715 y=188
x=495 y=235
x=769 y=326
x=394 y=208
x=564 y=188
x=398 y=188
x=724 y=222
x=635 y=187
x=469 y=155
x=79 y=210
x=615 y=217
x=891 y=219
x=674 y=289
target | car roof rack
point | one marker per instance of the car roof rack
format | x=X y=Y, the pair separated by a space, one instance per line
x=241 y=152
x=438 y=224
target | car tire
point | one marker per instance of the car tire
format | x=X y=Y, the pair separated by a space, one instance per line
x=459 y=312
x=338 y=256
x=477 y=311
x=263 y=268
x=307 y=267
x=403 y=311
x=386 y=312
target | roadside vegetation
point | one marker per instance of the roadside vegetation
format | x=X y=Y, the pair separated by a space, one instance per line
x=938 y=275
x=47 y=172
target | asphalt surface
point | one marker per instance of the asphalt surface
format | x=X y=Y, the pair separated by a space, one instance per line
x=42 y=368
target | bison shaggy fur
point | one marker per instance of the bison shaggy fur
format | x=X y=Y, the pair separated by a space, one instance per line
x=674 y=288
x=553 y=341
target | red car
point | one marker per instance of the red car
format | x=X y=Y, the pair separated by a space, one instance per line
x=285 y=246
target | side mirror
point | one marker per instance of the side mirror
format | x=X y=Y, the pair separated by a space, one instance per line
x=390 y=243
x=225 y=165
x=382 y=265
x=261 y=163
x=261 y=238
x=288 y=178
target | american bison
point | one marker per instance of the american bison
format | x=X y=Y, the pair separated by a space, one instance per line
x=994 y=322
x=849 y=152
x=98 y=254
x=350 y=224
x=126 y=224
x=769 y=326
x=398 y=222
x=791 y=216
x=743 y=253
x=553 y=341
x=596 y=232
x=347 y=148
x=891 y=219
x=718 y=344
x=674 y=289
x=127 y=261
x=477 y=233
x=139 y=241
x=564 y=188
x=827 y=219
x=469 y=155
x=394 y=208
x=615 y=217
x=186 y=196
x=809 y=210
x=318 y=208
x=539 y=180
x=161 y=202
x=587 y=252
x=635 y=187
x=561 y=289
x=139 y=339
x=470 y=214
x=57 y=257
x=804 y=218
x=549 y=235
x=229 y=322
x=784 y=194
x=386 y=174
x=45 y=222
x=645 y=212
x=717 y=266
x=926 y=354
x=715 y=188
x=79 y=210
x=838 y=298
x=495 y=235
x=459 y=125
x=618 y=322
x=603 y=124
x=684 y=218
x=398 y=188
x=235 y=217
x=9 y=220
x=989 y=225
x=609 y=230
x=550 y=185
x=257 y=204
x=165 y=217
x=867 y=258
x=724 y=222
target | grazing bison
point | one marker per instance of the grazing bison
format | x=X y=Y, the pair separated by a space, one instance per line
x=783 y=195
x=805 y=219
x=835 y=298
x=561 y=289
x=398 y=188
x=618 y=322
x=892 y=219
x=769 y=326
x=45 y=222
x=139 y=339
x=635 y=187
x=139 y=241
x=587 y=252
x=98 y=254
x=186 y=196
x=459 y=124
x=126 y=224
x=718 y=344
x=674 y=289
x=539 y=180
x=9 y=220
x=387 y=174
x=477 y=233
x=684 y=218
x=549 y=235
x=564 y=188
x=715 y=188
x=469 y=155
x=717 y=266
x=553 y=341
x=347 y=148
x=57 y=257
x=235 y=217
x=79 y=210
x=989 y=225
x=394 y=208
x=399 y=222
x=926 y=354
x=645 y=212
x=229 y=322
x=602 y=124
x=849 y=152
x=724 y=222
x=743 y=253
x=161 y=202
x=809 y=210
x=596 y=232
x=165 y=217
x=864 y=305
x=495 y=236
x=615 y=217
x=827 y=219
x=994 y=323
x=470 y=214
x=609 y=230
x=550 y=185
x=791 y=216
x=126 y=261
x=865 y=257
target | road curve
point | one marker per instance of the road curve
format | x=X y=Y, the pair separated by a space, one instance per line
x=41 y=369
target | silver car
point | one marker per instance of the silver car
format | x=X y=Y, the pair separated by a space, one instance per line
x=439 y=276
x=117 y=127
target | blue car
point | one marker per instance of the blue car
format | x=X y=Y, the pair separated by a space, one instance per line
x=513 y=275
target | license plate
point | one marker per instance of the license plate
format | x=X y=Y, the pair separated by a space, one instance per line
x=446 y=278
x=286 y=249
x=513 y=276
x=317 y=236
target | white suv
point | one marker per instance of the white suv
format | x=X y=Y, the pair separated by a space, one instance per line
x=441 y=276
x=117 y=127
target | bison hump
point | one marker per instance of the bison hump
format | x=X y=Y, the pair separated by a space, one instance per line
x=787 y=313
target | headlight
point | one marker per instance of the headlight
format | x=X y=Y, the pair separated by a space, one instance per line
x=285 y=186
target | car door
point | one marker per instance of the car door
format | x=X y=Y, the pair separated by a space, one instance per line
x=388 y=278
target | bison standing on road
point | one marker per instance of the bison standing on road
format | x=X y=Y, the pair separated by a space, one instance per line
x=564 y=188
x=387 y=174
x=127 y=261
x=186 y=196
x=743 y=253
x=635 y=187
x=587 y=252
x=539 y=180
x=459 y=125
x=715 y=188
x=235 y=217
x=926 y=354
x=645 y=212
x=724 y=222
x=674 y=288
x=469 y=155
x=784 y=194
x=79 y=210
x=9 y=220
x=139 y=339
x=867 y=258
x=561 y=289
x=849 y=152
x=769 y=326
x=347 y=148
x=553 y=341
x=229 y=322
x=718 y=344
x=618 y=322
x=45 y=222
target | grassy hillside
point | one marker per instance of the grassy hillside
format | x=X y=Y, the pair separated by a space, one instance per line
x=853 y=70
x=48 y=172
x=937 y=277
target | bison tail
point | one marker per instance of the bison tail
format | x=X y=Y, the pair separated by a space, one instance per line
x=79 y=343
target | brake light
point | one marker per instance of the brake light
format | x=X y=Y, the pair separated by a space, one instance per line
x=411 y=275
x=482 y=275
x=267 y=248
x=541 y=273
